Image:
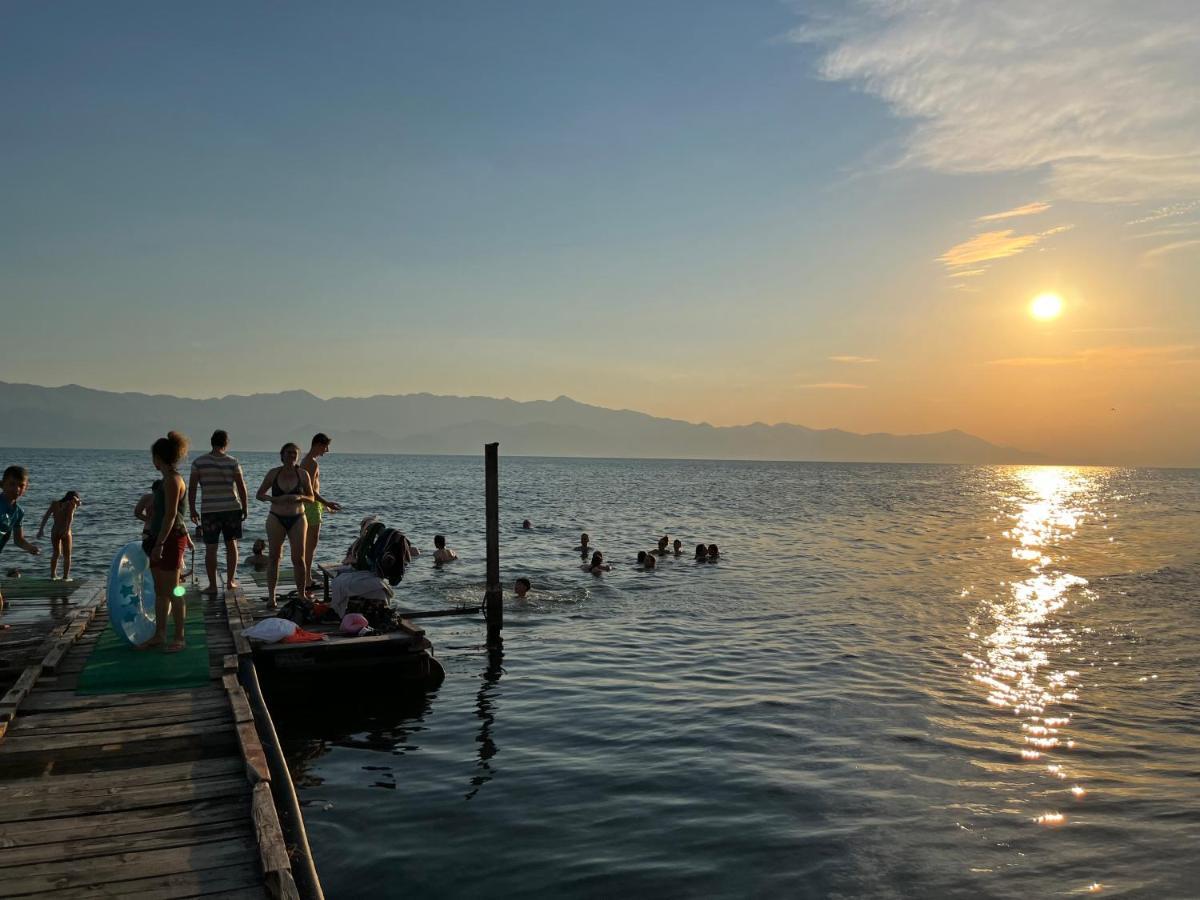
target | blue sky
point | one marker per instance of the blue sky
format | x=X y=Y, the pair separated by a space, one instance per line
x=686 y=208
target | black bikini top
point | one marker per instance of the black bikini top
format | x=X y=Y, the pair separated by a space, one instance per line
x=277 y=491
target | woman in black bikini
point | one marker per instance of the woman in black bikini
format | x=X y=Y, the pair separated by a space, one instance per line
x=287 y=487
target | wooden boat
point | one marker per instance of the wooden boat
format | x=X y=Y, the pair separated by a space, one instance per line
x=397 y=659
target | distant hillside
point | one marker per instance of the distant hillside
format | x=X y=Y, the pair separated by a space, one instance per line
x=74 y=416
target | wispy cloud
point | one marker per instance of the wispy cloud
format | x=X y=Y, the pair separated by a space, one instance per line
x=859 y=360
x=1029 y=209
x=1170 y=354
x=1167 y=212
x=833 y=386
x=988 y=246
x=1151 y=255
x=1099 y=97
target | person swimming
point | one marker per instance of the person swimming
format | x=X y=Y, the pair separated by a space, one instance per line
x=526 y=524
x=713 y=553
x=583 y=549
x=258 y=559
x=651 y=562
x=701 y=552
x=522 y=587
x=663 y=543
x=641 y=558
x=678 y=547
x=597 y=565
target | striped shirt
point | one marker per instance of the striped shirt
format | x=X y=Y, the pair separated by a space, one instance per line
x=216 y=476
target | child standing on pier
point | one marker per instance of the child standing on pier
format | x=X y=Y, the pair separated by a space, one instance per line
x=12 y=486
x=61 y=538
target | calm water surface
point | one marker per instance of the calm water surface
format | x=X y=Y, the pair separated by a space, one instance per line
x=899 y=681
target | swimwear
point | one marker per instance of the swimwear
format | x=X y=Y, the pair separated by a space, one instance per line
x=172 y=552
x=276 y=491
x=218 y=525
x=314 y=512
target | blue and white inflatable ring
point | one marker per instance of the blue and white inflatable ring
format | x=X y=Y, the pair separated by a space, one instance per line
x=131 y=595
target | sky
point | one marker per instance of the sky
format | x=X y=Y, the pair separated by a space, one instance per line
x=833 y=214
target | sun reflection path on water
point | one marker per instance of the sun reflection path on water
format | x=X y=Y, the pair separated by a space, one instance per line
x=1016 y=660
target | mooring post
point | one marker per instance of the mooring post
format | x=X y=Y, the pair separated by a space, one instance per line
x=493 y=598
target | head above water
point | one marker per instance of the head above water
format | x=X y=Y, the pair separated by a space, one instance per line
x=651 y=560
x=597 y=558
x=583 y=539
x=677 y=545
x=522 y=586
x=701 y=551
x=14 y=482
x=439 y=541
x=713 y=552
x=258 y=547
x=641 y=557
x=219 y=439
x=170 y=450
x=663 y=542
x=526 y=524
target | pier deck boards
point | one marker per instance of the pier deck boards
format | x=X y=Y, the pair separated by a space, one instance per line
x=159 y=795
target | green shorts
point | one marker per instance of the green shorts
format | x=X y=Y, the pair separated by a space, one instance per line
x=314 y=512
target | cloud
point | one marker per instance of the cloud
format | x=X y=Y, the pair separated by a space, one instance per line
x=1099 y=98
x=860 y=360
x=1166 y=212
x=1029 y=209
x=991 y=245
x=833 y=386
x=1170 y=354
x=1153 y=254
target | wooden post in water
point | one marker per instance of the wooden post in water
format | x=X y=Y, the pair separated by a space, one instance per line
x=493 y=598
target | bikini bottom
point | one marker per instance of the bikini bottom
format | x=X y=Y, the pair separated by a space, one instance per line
x=287 y=521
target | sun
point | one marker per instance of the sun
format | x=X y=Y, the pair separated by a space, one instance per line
x=1046 y=307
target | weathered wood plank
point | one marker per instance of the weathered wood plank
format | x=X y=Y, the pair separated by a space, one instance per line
x=213 y=729
x=16 y=694
x=130 y=798
x=48 y=699
x=115 y=782
x=100 y=717
x=277 y=867
x=108 y=844
x=134 y=821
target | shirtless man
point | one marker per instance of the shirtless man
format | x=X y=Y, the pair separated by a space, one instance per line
x=314 y=511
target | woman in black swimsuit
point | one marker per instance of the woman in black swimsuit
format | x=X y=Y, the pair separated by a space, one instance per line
x=287 y=487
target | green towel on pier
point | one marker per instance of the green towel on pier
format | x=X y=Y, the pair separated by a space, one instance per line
x=116 y=668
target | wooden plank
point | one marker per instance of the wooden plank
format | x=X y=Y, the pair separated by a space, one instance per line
x=16 y=694
x=127 y=875
x=62 y=746
x=277 y=867
x=96 y=718
x=108 y=844
x=257 y=770
x=107 y=783
x=134 y=821
x=45 y=698
x=56 y=807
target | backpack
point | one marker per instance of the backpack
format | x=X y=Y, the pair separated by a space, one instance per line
x=359 y=554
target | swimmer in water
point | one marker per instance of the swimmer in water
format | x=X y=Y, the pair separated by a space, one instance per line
x=597 y=565
x=258 y=559
x=651 y=562
x=583 y=549
x=526 y=524
x=522 y=587
x=678 y=547
x=641 y=558
x=701 y=552
x=663 y=543
x=713 y=553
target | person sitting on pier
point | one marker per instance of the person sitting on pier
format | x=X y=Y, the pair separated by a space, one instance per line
x=12 y=486
x=60 y=533
x=258 y=559
x=597 y=565
x=442 y=554
x=168 y=540
x=287 y=488
x=583 y=549
x=521 y=588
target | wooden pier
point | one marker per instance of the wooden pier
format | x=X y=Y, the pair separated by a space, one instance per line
x=151 y=794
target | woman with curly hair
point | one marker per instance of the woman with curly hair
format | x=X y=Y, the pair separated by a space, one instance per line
x=168 y=540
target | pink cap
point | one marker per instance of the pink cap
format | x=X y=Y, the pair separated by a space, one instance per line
x=354 y=623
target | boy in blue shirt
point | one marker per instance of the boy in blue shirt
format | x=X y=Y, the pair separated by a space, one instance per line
x=12 y=486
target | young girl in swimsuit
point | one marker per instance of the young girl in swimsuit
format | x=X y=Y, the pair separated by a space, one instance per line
x=60 y=533
x=287 y=488
x=169 y=534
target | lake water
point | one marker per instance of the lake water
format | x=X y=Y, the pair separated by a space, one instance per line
x=899 y=681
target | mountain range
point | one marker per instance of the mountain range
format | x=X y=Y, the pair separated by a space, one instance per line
x=74 y=416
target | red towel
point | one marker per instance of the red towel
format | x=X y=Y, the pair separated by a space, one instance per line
x=300 y=636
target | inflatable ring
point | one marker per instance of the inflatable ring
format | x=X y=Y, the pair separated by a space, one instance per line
x=131 y=595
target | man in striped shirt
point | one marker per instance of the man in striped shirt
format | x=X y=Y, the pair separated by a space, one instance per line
x=218 y=478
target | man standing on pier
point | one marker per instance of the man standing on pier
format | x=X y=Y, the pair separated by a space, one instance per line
x=314 y=510
x=218 y=476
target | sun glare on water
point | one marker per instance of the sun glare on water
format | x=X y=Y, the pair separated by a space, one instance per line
x=1045 y=307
